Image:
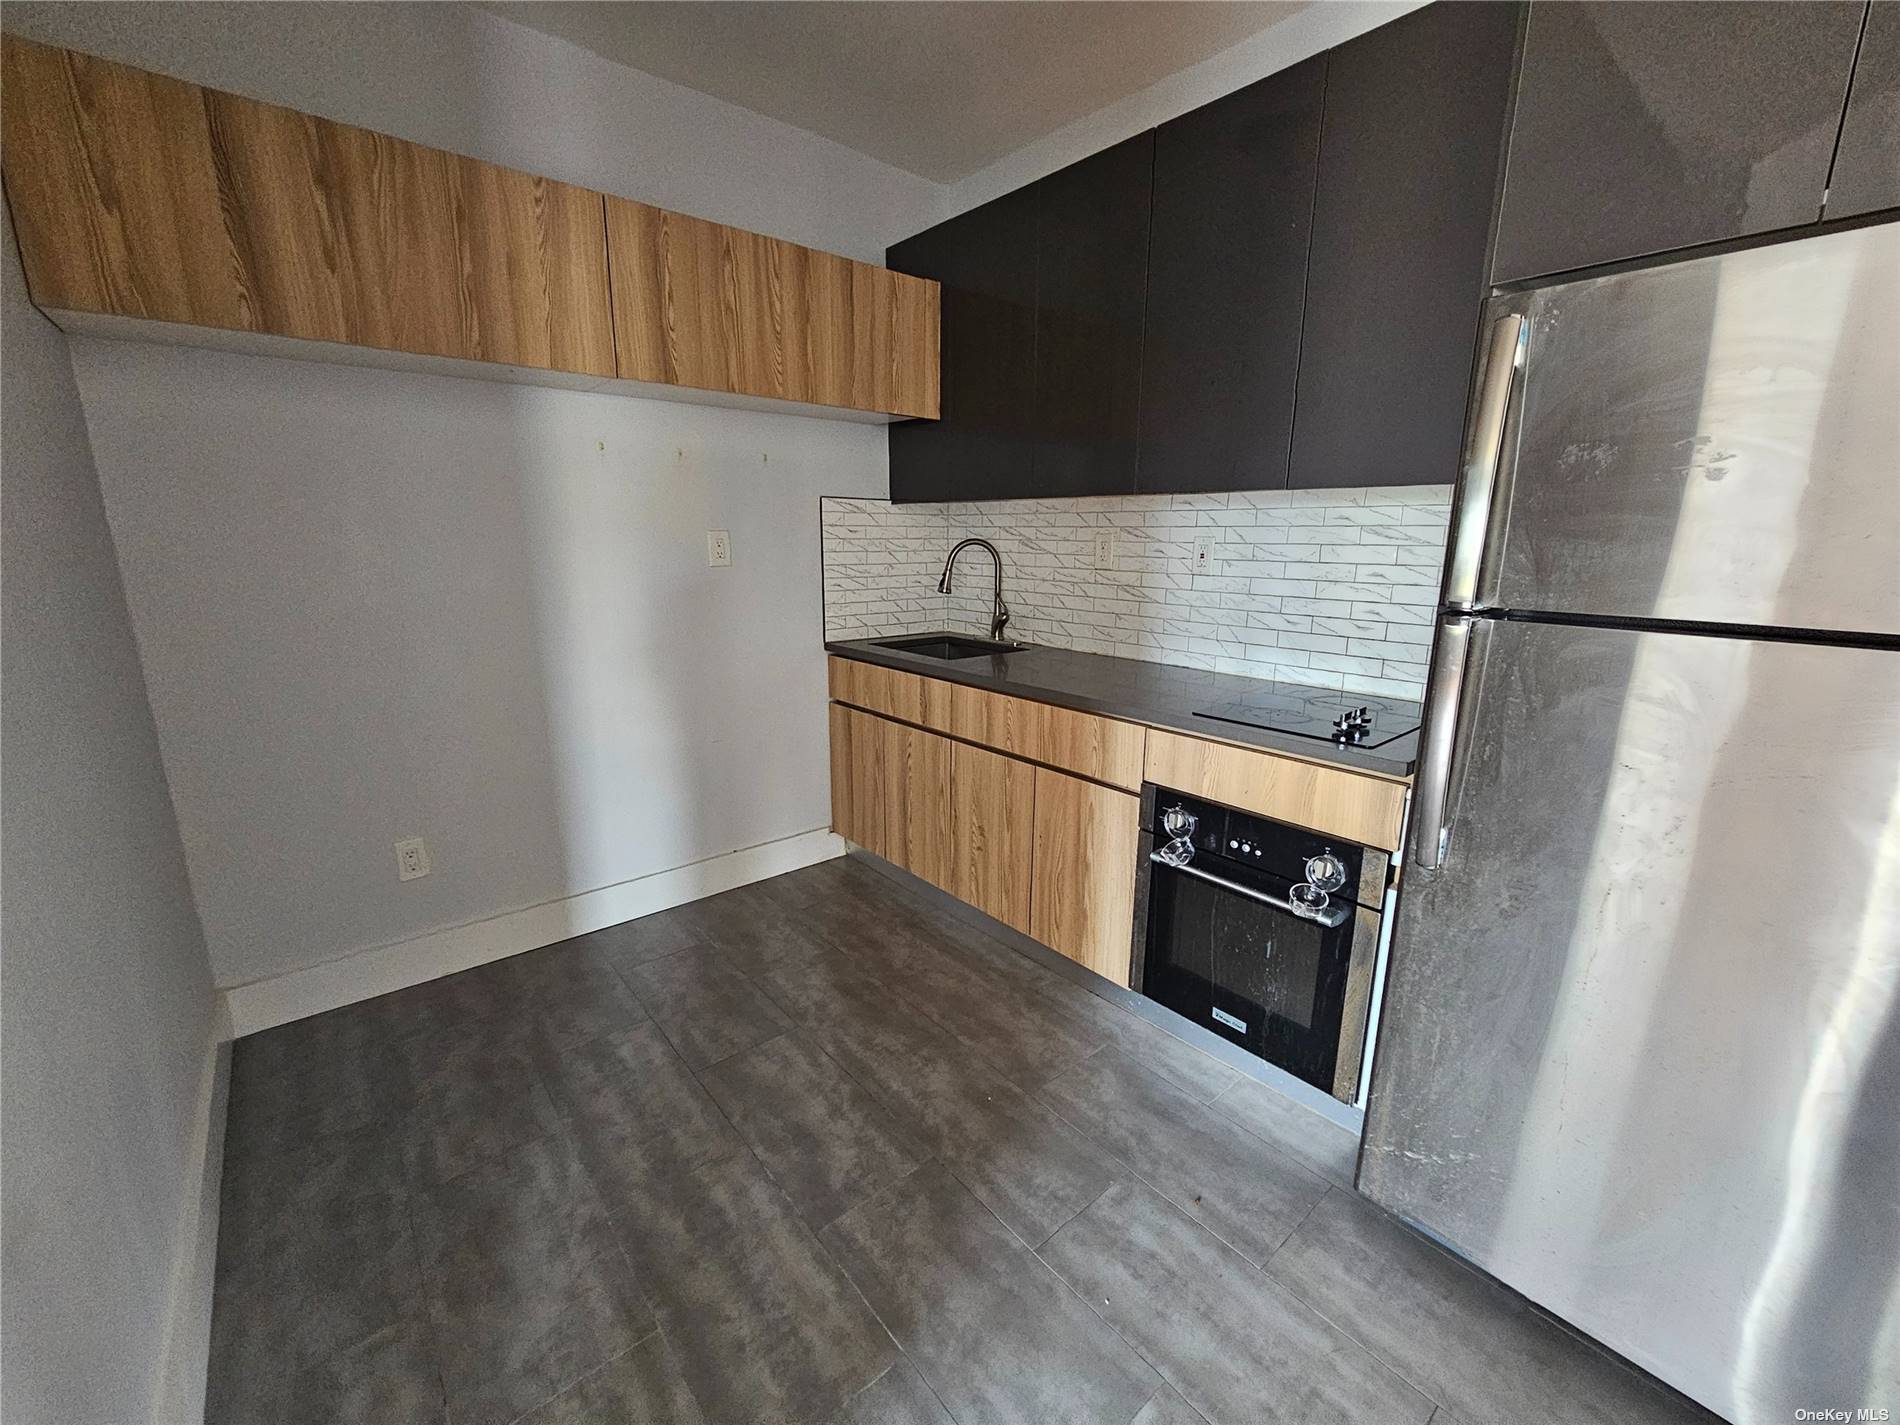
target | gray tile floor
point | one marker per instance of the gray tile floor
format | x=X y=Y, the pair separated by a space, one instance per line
x=816 y=1150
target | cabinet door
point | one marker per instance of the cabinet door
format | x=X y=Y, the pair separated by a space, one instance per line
x=1866 y=174
x=1641 y=128
x=983 y=446
x=1091 y=281
x=534 y=271
x=1408 y=166
x=916 y=783
x=1082 y=892
x=992 y=825
x=857 y=777
x=113 y=190
x=1233 y=203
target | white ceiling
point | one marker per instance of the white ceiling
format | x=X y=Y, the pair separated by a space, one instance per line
x=941 y=88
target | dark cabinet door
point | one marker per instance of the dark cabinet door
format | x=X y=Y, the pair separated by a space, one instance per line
x=983 y=447
x=1408 y=167
x=1233 y=208
x=1866 y=174
x=1091 y=276
x=1645 y=127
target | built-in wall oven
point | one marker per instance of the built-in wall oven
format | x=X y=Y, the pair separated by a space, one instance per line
x=1264 y=933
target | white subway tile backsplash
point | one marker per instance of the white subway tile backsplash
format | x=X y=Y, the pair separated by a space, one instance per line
x=1326 y=587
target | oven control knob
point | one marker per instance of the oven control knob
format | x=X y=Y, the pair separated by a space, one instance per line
x=1325 y=872
x=1178 y=821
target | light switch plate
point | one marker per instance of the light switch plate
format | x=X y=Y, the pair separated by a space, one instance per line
x=718 y=548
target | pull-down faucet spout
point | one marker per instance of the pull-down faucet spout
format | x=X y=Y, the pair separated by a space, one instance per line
x=999 y=611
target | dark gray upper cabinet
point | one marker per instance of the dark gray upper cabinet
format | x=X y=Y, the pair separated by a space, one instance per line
x=1233 y=208
x=1867 y=164
x=1644 y=127
x=1408 y=168
x=984 y=446
x=1091 y=273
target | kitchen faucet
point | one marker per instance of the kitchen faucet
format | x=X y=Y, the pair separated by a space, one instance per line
x=999 y=611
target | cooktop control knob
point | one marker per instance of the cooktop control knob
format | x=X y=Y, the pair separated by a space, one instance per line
x=1178 y=821
x=1325 y=872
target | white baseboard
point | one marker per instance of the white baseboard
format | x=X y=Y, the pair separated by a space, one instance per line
x=180 y=1394
x=262 y=1004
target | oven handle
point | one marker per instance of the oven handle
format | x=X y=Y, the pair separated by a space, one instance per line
x=1332 y=917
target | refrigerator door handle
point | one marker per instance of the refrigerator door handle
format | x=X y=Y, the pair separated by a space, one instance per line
x=1484 y=450
x=1430 y=836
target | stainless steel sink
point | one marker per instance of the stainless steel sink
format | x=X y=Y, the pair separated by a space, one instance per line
x=947 y=646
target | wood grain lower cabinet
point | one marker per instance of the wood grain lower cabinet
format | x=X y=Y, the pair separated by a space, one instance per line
x=992 y=829
x=1352 y=805
x=916 y=784
x=1082 y=893
x=857 y=778
x=1103 y=748
x=878 y=689
x=890 y=792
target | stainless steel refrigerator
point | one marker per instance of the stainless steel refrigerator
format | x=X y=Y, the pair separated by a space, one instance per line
x=1640 y=1050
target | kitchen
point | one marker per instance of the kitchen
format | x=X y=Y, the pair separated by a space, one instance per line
x=1291 y=820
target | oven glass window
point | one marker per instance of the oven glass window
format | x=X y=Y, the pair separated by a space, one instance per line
x=1264 y=978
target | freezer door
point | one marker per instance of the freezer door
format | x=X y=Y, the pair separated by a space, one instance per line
x=1717 y=440
x=1640 y=1050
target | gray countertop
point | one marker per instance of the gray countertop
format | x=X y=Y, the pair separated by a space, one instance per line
x=1154 y=693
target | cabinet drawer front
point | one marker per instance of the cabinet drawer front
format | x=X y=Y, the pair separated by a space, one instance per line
x=1363 y=809
x=1082 y=896
x=1096 y=747
x=879 y=690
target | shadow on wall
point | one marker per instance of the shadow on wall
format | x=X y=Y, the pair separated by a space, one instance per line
x=377 y=605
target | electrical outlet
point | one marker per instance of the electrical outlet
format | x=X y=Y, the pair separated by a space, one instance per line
x=412 y=859
x=718 y=548
x=1203 y=553
x=1104 y=549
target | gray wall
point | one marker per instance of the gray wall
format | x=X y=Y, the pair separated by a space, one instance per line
x=106 y=990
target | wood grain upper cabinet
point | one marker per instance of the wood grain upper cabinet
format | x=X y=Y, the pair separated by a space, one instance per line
x=1409 y=153
x=983 y=447
x=1642 y=128
x=113 y=190
x=1866 y=174
x=1091 y=280
x=1233 y=203
x=140 y=196
x=718 y=308
x=1082 y=898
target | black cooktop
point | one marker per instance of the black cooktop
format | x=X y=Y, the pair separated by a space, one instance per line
x=1323 y=714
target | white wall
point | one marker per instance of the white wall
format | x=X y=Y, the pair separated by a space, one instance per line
x=462 y=79
x=106 y=992
x=374 y=605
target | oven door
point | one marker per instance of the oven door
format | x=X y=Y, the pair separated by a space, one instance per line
x=1290 y=990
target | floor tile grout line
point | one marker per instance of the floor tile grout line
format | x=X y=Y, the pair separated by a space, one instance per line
x=590 y=1373
x=1293 y=1291
x=986 y=927
x=1114 y=1330
x=1136 y=1173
